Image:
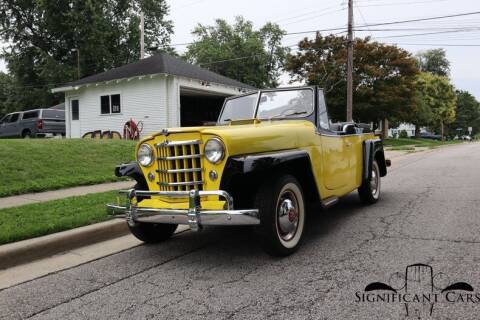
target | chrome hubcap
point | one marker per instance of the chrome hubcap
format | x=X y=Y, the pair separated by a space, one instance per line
x=374 y=181
x=287 y=215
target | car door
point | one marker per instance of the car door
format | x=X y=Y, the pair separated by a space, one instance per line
x=335 y=152
x=11 y=126
x=354 y=148
x=3 y=125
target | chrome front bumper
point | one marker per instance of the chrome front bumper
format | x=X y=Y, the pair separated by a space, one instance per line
x=194 y=216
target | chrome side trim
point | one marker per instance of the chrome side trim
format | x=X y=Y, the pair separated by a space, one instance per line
x=173 y=184
x=177 y=143
x=180 y=170
x=190 y=156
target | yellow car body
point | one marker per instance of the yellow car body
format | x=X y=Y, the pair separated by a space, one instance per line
x=252 y=171
x=337 y=161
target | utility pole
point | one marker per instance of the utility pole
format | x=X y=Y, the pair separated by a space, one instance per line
x=350 y=62
x=78 y=61
x=142 y=35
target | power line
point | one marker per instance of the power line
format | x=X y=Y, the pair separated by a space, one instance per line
x=390 y=23
x=426 y=33
x=437 y=44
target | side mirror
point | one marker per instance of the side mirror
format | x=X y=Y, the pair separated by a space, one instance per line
x=349 y=128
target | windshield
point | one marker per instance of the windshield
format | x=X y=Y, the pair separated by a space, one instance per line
x=239 y=108
x=285 y=103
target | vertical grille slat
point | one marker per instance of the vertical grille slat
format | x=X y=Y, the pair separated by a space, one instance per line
x=179 y=165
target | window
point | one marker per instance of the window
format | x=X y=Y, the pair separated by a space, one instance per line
x=54 y=114
x=110 y=104
x=285 y=104
x=75 y=111
x=30 y=115
x=240 y=108
x=14 y=117
x=322 y=112
x=6 y=118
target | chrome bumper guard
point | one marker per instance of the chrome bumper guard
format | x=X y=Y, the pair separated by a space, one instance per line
x=194 y=216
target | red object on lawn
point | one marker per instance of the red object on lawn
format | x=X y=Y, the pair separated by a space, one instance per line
x=132 y=130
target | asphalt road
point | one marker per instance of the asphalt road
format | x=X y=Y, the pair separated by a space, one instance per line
x=429 y=213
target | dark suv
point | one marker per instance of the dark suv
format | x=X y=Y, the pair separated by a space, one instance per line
x=33 y=123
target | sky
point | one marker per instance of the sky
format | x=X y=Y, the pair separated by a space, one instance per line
x=452 y=34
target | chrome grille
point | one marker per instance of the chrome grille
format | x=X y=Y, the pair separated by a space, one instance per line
x=179 y=165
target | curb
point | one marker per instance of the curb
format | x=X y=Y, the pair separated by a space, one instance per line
x=25 y=251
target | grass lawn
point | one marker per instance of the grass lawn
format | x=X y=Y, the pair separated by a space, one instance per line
x=397 y=143
x=33 y=165
x=40 y=219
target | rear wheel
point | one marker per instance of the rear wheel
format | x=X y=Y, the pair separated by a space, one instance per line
x=26 y=134
x=282 y=215
x=152 y=232
x=369 y=191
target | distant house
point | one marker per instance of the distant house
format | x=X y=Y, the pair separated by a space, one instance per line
x=407 y=127
x=161 y=91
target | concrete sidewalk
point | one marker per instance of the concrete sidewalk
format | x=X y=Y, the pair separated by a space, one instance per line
x=29 y=198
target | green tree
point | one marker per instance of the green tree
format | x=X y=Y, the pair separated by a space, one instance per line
x=383 y=76
x=467 y=114
x=436 y=102
x=434 y=61
x=254 y=57
x=7 y=94
x=43 y=33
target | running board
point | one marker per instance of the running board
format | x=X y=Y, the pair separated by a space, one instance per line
x=329 y=202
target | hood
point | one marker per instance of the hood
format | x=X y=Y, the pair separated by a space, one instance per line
x=252 y=136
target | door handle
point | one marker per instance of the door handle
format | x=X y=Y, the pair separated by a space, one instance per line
x=348 y=144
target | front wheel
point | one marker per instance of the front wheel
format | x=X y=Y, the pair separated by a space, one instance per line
x=282 y=215
x=369 y=191
x=151 y=232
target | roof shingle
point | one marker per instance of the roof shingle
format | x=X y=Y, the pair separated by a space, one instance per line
x=160 y=63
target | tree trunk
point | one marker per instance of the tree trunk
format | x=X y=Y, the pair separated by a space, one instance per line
x=417 y=131
x=441 y=130
x=385 y=128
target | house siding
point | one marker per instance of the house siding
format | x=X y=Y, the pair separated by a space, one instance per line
x=141 y=100
x=154 y=100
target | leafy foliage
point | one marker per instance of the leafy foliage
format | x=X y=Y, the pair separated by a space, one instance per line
x=436 y=101
x=43 y=33
x=254 y=57
x=467 y=114
x=7 y=94
x=383 y=76
x=434 y=61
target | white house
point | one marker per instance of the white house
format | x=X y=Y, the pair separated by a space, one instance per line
x=407 y=127
x=161 y=91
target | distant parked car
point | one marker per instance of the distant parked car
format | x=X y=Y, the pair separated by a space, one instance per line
x=428 y=135
x=33 y=123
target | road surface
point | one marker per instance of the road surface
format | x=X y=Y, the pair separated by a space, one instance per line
x=429 y=214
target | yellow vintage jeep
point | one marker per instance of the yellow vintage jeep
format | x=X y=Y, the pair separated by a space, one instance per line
x=271 y=153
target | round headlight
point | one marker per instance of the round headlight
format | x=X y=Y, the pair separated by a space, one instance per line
x=145 y=155
x=214 y=150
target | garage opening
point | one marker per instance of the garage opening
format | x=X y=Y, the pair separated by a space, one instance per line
x=199 y=108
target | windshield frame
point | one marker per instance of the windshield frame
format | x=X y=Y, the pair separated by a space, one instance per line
x=257 y=104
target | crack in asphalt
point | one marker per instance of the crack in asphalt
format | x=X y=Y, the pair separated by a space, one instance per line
x=117 y=281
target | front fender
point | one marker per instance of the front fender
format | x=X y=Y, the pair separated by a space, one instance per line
x=132 y=170
x=373 y=150
x=243 y=174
